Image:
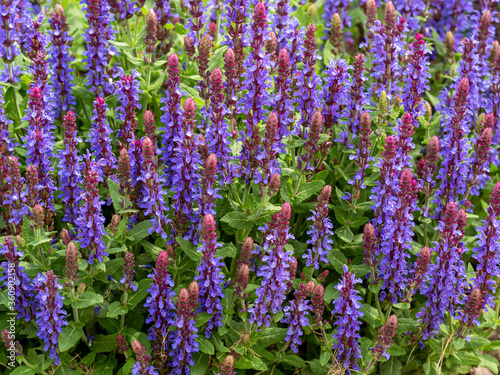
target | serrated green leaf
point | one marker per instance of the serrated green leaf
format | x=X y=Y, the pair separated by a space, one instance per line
x=69 y=336
x=237 y=220
x=330 y=293
x=307 y=189
x=371 y=315
x=294 y=360
x=217 y=59
x=391 y=367
x=325 y=356
x=140 y=294
x=272 y=335
x=139 y=232
x=188 y=248
x=228 y=250
x=104 y=343
x=345 y=234
x=250 y=362
x=87 y=299
x=488 y=361
x=395 y=350
x=206 y=346
x=402 y=305
x=116 y=309
x=114 y=192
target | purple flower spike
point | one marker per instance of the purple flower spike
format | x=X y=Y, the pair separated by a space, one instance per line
x=49 y=312
x=9 y=40
x=347 y=311
x=98 y=50
x=296 y=315
x=142 y=365
x=70 y=169
x=320 y=232
x=59 y=60
x=100 y=138
x=23 y=291
x=90 y=220
x=210 y=278
x=159 y=303
x=276 y=269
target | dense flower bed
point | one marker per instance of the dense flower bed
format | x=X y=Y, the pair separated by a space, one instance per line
x=248 y=187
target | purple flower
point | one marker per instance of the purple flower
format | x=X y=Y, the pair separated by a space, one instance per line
x=385 y=336
x=296 y=315
x=388 y=45
x=98 y=49
x=23 y=290
x=208 y=191
x=159 y=303
x=280 y=21
x=282 y=103
x=127 y=89
x=198 y=12
x=90 y=220
x=411 y=10
x=210 y=277
x=59 y=60
x=152 y=199
x=416 y=78
x=40 y=143
x=123 y=9
x=396 y=236
x=49 y=313
x=142 y=365
x=186 y=175
x=347 y=311
x=9 y=40
x=336 y=6
x=172 y=116
x=184 y=337
x=445 y=280
x=100 y=138
x=320 y=233
x=70 y=169
x=128 y=272
x=275 y=269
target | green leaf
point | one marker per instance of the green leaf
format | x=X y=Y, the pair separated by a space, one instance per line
x=69 y=336
x=337 y=260
x=206 y=346
x=345 y=234
x=250 y=362
x=272 y=335
x=325 y=356
x=402 y=305
x=217 y=59
x=202 y=361
x=114 y=192
x=395 y=350
x=87 y=299
x=190 y=249
x=391 y=367
x=488 y=361
x=104 y=343
x=406 y=325
x=237 y=220
x=180 y=29
x=140 y=294
x=294 y=360
x=340 y=215
x=139 y=232
x=307 y=189
x=226 y=251
x=23 y=370
x=116 y=309
x=371 y=315
x=330 y=293
x=327 y=53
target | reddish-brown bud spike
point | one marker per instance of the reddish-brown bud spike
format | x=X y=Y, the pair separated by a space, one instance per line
x=227 y=367
x=151 y=30
x=406 y=127
x=271 y=127
x=162 y=265
x=140 y=352
x=173 y=67
x=189 y=108
x=323 y=275
x=243 y=274
x=274 y=184
x=316 y=127
x=194 y=295
x=433 y=149
x=216 y=77
x=461 y=219
x=72 y=262
x=473 y=308
x=390 y=16
x=484 y=25
x=113 y=226
x=336 y=34
x=371 y=13
x=388 y=331
x=20 y=242
x=495 y=200
x=317 y=301
x=246 y=250
x=286 y=211
x=309 y=287
x=189 y=46
x=149 y=125
x=183 y=305
x=121 y=343
x=65 y=238
x=423 y=262
x=259 y=17
x=148 y=150
x=495 y=48
x=366 y=124
x=205 y=48
x=325 y=194
x=211 y=166
x=389 y=153
x=449 y=43
x=271 y=44
x=38 y=216
x=124 y=168
x=212 y=29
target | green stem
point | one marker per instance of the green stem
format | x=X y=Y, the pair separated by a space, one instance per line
x=125 y=301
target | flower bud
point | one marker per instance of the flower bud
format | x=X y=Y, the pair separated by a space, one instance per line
x=183 y=305
x=72 y=262
x=389 y=153
x=336 y=34
x=390 y=17
x=242 y=278
x=204 y=49
x=369 y=243
x=495 y=200
x=271 y=44
x=323 y=275
x=194 y=295
x=128 y=269
x=65 y=238
x=423 y=262
x=212 y=29
x=81 y=289
x=259 y=17
x=122 y=344
x=227 y=367
x=382 y=104
x=473 y=308
x=151 y=30
x=113 y=226
x=38 y=216
x=20 y=241
x=317 y=300
x=140 y=352
x=428 y=111
x=246 y=251
x=389 y=330
x=371 y=13
x=149 y=125
x=274 y=184
x=161 y=265
x=449 y=44
x=189 y=46
x=173 y=67
x=311 y=13
x=124 y=170
x=148 y=151
x=433 y=149
x=495 y=49
x=316 y=127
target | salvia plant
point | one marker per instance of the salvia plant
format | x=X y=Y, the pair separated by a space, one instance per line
x=249 y=187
